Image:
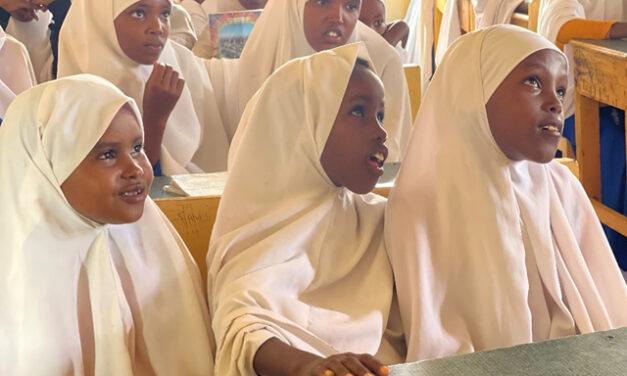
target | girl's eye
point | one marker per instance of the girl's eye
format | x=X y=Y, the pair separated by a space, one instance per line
x=378 y=23
x=352 y=6
x=109 y=154
x=166 y=14
x=533 y=82
x=561 y=92
x=138 y=13
x=322 y=2
x=358 y=111
x=380 y=117
x=138 y=148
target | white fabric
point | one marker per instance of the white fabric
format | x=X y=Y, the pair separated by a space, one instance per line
x=195 y=138
x=273 y=43
x=462 y=219
x=181 y=27
x=490 y=12
x=555 y=13
x=420 y=41
x=16 y=70
x=35 y=36
x=76 y=297
x=291 y=255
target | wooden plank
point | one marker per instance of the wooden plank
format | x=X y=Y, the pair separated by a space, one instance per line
x=466 y=15
x=601 y=73
x=412 y=75
x=610 y=217
x=520 y=19
x=396 y=10
x=588 y=144
x=534 y=12
x=572 y=165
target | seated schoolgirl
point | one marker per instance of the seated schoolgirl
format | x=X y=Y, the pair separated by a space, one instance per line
x=127 y=43
x=16 y=70
x=563 y=20
x=93 y=278
x=492 y=243
x=299 y=281
x=396 y=33
x=288 y=29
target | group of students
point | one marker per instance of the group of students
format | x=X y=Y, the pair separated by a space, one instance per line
x=485 y=242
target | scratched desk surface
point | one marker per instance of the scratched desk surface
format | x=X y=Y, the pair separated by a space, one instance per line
x=617 y=45
x=602 y=354
x=156 y=191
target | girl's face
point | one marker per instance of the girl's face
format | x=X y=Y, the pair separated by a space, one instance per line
x=373 y=15
x=354 y=153
x=329 y=23
x=253 y=4
x=525 y=111
x=112 y=182
x=142 y=29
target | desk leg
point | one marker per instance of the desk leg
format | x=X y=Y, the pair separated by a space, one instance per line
x=588 y=144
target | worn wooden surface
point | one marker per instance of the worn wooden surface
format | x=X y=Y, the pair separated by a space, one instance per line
x=601 y=78
x=396 y=9
x=412 y=75
x=602 y=354
x=534 y=11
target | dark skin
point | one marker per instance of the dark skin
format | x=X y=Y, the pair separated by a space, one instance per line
x=357 y=133
x=373 y=15
x=142 y=30
x=525 y=111
x=111 y=184
x=329 y=23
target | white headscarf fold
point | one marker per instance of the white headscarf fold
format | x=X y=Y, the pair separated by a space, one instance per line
x=77 y=297
x=491 y=12
x=194 y=138
x=555 y=13
x=488 y=252
x=279 y=36
x=292 y=255
x=420 y=41
x=16 y=70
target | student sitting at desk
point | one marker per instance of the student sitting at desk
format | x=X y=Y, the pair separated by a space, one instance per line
x=126 y=42
x=396 y=32
x=299 y=280
x=492 y=243
x=288 y=29
x=93 y=278
x=563 y=20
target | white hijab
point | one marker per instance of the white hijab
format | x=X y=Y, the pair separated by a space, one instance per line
x=16 y=70
x=278 y=36
x=490 y=12
x=194 y=138
x=420 y=41
x=488 y=252
x=555 y=13
x=292 y=255
x=77 y=297
x=35 y=35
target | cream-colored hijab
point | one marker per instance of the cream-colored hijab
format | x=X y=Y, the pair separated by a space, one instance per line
x=555 y=13
x=278 y=36
x=16 y=70
x=292 y=255
x=488 y=252
x=194 y=139
x=77 y=297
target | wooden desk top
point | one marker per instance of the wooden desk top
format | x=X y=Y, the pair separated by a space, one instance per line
x=614 y=47
x=602 y=354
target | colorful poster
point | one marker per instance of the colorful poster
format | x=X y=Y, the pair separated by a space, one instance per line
x=229 y=32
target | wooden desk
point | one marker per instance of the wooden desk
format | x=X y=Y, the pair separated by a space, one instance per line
x=601 y=77
x=193 y=217
x=602 y=354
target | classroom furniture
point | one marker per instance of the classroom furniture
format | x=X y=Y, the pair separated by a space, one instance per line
x=534 y=11
x=601 y=78
x=193 y=217
x=466 y=13
x=594 y=354
x=412 y=75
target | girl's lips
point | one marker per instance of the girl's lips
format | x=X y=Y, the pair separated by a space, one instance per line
x=134 y=195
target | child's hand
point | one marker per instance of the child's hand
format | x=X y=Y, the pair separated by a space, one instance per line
x=163 y=89
x=344 y=364
x=395 y=32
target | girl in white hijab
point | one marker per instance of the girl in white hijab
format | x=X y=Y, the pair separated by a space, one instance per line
x=289 y=29
x=563 y=20
x=79 y=294
x=491 y=243
x=16 y=70
x=119 y=40
x=297 y=267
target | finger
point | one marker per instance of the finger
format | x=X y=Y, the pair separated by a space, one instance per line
x=374 y=365
x=157 y=72
x=167 y=76
x=337 y=367
x=356 y=367
x=322 y=371
x=174 y=80
x=179 y=86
